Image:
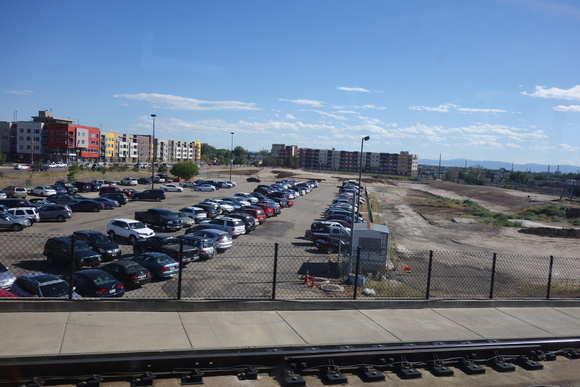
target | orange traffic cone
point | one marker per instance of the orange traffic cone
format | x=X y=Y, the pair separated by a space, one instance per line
x=306 y=278
x=313 y=282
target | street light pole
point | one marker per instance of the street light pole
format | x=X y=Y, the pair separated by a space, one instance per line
x=356 y=199
x=231 y=155
x=153 y=153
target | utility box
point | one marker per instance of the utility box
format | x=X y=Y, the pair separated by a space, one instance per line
x=375 y=243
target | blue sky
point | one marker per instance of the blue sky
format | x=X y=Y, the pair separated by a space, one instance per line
x=480 y=80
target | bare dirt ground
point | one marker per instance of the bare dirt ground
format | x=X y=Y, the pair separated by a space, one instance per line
x=416 y=225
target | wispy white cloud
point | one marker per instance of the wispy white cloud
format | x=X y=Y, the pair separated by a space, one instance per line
x=372 y=107
x=556 y=147
x=475 y=110
x=310 y=102
x=20 y=92
x=447 y=107
x=572 y=93
x=357 y=89
x=173 y=102
x=569 y=108
x=331 y=115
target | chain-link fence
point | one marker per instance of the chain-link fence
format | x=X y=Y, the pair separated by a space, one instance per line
x=291 y=272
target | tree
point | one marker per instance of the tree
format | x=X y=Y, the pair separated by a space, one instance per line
x=185 y=170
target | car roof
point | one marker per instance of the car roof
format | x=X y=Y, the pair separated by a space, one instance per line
x=88 y=232
x=127 y=220
x=42 y=278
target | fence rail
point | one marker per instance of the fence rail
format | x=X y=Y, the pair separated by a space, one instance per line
x=298 y=271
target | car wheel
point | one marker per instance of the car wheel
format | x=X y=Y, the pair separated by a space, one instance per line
x=60 y=218
x=132 y=239
x=330 y=250
x=96 y=209
x=157 y=199
x=16 y=227
x=136 y=198
x=164 y=189
x=108 y=207
x=112 y=235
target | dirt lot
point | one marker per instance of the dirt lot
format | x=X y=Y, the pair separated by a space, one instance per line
x=417 y=224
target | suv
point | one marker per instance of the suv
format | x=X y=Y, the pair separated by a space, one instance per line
x=13 y=191
x=129 y=229
x=53 y=211
x=41 y=285
x=29 y=213
x=101 y=243
x=9 y=221
x=196 y=213
x=250 y=222
x=58 y=249
x=128 y=181
x=233 y=226
x=150 y=194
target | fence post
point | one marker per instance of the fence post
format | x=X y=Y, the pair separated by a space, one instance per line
x=356 y=273
x=274 y=275
x=71 y=267
x=429 y=271
x=179 y=275
x=550 y=277
x=492 y=285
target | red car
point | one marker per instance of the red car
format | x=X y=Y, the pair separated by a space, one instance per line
x=269 y=211
x=114 y=189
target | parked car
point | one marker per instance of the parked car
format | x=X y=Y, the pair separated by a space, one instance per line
x=171 y=188
x=205 y=246
x=129 y=229
x=59 y=189
x=150 y=194
x=257 y=213
x=169 y=245
x=86 y=206
x=196 y=213
x=100 y=243
x=52 y=211
x=108 y=204
x=61 y=198
x=3 y=194
x=10 y=222
x=253 y=180
x=29 y=213
x=160 y=265
x=43 y=190
x=247 y=197
x=250 y=222
x=187 y=184
x=160 y=217
x=24 y=167
x=144 y=180
x=41 y=285
x=128 y=181
x=211 y=209
x=58 y=250
x=70 y=188
x=105 y=189
x=222 y=239
x=39 y=202
x=95 y=187
x=119 y=197
x=130 y=273
x=187 y=221
x=95 y=283
x=233 y=226
x=13 y=191
x=204 y=188
x=83 y=186
x=6 y=277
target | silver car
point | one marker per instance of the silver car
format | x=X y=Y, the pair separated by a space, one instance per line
x=9 y=221
x=222 y=239
x=6 y=277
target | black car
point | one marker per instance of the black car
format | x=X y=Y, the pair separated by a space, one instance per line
x=128 y=272
x=83 y=186
x=119 y=197
x=249 y=221
x=100 y=243
x=150 y=194
x=70 y=188
x=211 y=209
x=61 y=198
x=206 y=246
x=144 y=180
x=95 y=187
x=86 y=206
x=169 y=245
x=58 y=250
x=253 y=180
x=95 y=283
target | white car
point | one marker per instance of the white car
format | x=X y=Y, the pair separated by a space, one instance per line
x=22 y=166
x=43 y=190
x=187 y=184
x=29 y=213
x=233 y=226
x=247 y=197
x=129 y=181
x=171 y=188
x=196 y=213
x=129 y=229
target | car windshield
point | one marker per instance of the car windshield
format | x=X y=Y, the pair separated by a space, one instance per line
x=99 y=239
x=137 y=225
x=55 y=289
x=81 y=246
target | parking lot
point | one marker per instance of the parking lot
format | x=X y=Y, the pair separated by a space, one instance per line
x=244 y=271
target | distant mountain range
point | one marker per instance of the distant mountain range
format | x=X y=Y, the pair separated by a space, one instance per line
x=500 y=164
